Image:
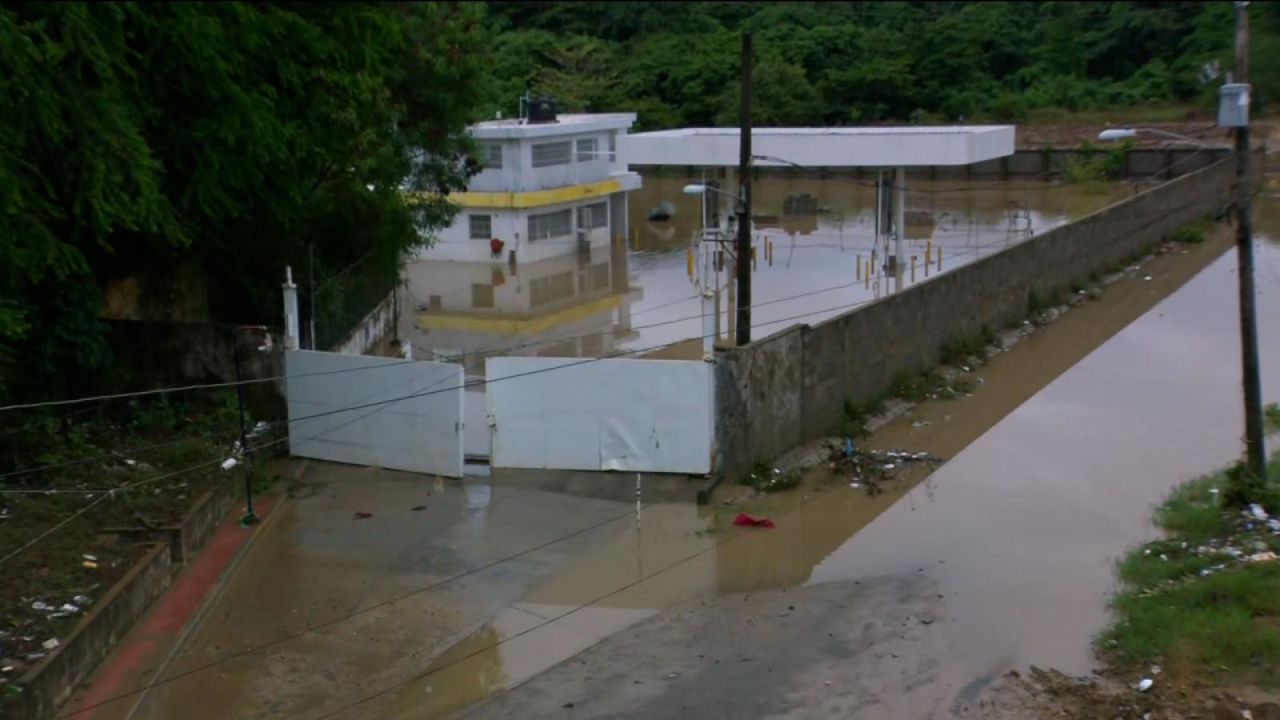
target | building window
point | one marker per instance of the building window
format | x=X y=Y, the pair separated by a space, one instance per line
x=588 y=150
x=549 y=225
x=613 y=146
x=548 y=154
x=593 y=216
x=481 y=296
x=491 y=155
x=481 y=226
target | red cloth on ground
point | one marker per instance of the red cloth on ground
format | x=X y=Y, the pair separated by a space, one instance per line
x=748 y=521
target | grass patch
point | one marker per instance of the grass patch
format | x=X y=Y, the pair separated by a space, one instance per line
x=1039 y=300
x=1193 y=512
x=853 y=420
x=764 y=479
x=955 y=351
x=1190 y=234
x=1192 y=600
x=1272 y=413
x=928 y=386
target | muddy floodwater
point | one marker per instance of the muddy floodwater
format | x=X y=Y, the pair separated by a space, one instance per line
x=1054 y=465
x=447 y=597
x=816 y=256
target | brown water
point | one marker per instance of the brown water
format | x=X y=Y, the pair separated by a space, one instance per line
x=643 y=294
x=1055 y=463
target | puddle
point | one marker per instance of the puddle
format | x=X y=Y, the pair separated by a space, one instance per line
x=1055 y=463
x=642 y=291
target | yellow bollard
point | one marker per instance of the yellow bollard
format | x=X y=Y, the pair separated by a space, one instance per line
x=753 y=257
x=857 y=267
x=689 y=262
x=768 y=250
x=866 y=275
x=635 y=236
x=939 y=259
x=913 y=268
x=928 y=253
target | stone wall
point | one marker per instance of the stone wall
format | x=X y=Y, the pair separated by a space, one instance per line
x=781 y=390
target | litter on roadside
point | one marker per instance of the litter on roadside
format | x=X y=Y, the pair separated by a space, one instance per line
x=1145 y=684
x=91 y=565
x=746 y=520
x=49 y=644
x=1258 y=513
x=229 y=463
x=93 y=558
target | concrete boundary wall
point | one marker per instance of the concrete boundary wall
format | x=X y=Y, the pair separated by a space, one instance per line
x=1025 y=164
x=374 y=326
x=782 y=390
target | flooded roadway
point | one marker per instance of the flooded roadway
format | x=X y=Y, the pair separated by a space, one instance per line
x=1056 y=466
x=1055 y=462
x=642 y=292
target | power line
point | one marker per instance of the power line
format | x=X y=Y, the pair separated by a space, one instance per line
x=385 y=603
x=126 y=488
x=82 y=461
x=628 y=586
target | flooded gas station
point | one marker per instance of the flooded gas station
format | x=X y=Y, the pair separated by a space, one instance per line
x=640 y=292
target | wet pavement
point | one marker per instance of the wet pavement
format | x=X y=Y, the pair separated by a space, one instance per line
x=1054 y=464
x=641 y=293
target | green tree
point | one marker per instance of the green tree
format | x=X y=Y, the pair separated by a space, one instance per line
x=231 y=135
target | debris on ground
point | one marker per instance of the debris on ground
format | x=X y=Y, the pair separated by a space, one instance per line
x=746 y=520
x=361 y=515
x=1049 y=693
x=870 y=468
x=418 y=508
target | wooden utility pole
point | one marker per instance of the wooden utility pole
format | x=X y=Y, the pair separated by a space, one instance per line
x=1255 y=448
x=744 y=199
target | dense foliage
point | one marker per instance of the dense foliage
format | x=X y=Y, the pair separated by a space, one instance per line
x=841 y=63
x=185 y=146
x=224 y=137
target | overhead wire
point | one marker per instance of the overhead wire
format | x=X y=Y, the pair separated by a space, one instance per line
x=391 y=601
x=434 y=669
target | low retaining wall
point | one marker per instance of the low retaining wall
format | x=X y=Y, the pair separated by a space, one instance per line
x=47 y=685
x=371 y=328
x=187 y=537
x=782 y=390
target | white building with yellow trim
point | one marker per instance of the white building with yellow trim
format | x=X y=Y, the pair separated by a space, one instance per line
x=544 y=187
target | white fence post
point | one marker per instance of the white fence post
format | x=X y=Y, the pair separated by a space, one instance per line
x=290 y=310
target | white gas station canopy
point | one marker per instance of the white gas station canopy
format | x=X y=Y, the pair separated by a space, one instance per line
x=823 y=147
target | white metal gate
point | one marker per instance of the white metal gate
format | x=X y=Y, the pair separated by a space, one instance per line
x=612 y=414
x=388 y=412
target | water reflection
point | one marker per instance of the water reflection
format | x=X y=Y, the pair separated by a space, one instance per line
x=813 y=238
x=573 y=304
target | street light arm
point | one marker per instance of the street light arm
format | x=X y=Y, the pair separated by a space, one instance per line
x=697 y=189
x=1126 y=133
